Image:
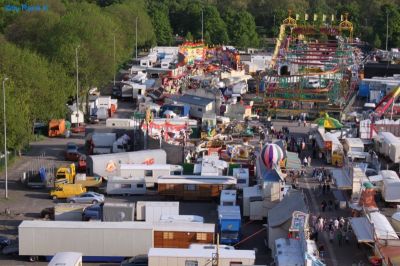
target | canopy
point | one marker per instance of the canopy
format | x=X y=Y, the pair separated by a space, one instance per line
x=342 y=179
x=362 y=229
x=383 y=229
x=328 y=122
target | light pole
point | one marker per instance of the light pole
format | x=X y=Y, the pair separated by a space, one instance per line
x=114 y=60
x=202 y=26
x=136 y=38
x=387 y=29
x=5 y=136
x=77 y=85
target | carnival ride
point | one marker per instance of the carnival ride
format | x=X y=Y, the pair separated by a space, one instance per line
x=309 y=75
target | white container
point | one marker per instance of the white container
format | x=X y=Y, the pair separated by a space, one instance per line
x=115 y=239
x=228 y=197
x=242 y=175
x=151 y=211
x=104 y=102
x=120 y=122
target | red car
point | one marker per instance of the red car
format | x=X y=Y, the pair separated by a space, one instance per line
x=72 y=153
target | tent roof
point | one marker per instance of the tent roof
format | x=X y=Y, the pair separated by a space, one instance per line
x=293 y=161
x=282 y=212
x=383 y=228
x=342 y=179
x=362 y=229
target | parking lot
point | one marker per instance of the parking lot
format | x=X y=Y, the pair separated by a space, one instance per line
x=26 y=203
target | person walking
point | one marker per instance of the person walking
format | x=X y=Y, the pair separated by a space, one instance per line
x=336 y=224
x=347 y=237
x=323 y=205
x=323 y=188
x=339 y=237
x=331 y=236
x=309 y=161
x=305 y=161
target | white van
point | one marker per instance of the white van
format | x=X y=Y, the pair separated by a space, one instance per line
x=66 y=259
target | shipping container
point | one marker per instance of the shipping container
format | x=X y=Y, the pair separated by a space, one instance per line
x=120 y=122
x=103 y=142
x=204 y=256
x=151 y=211
x=97 y=241
x=110 y=212
x=106 y=165
x=194 y=187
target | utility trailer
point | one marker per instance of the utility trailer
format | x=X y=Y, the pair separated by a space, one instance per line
x=97 y=241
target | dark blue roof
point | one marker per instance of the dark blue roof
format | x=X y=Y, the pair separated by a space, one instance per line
x=271 y=176
x=192 y=99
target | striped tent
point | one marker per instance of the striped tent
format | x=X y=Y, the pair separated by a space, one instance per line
x=271 y=154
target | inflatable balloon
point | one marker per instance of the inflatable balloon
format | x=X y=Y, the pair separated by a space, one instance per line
x=271 y=154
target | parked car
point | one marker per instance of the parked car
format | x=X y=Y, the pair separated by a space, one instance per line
x=139 y=260
x=72 y=153
x=12 y=249
x=47 y=213
x=4 y=242
x=87 y=197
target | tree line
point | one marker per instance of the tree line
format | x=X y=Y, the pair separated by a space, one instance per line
x=37 y=49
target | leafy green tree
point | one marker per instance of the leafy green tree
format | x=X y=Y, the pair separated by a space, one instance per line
x=189 y=37
x=215 y=26
x=160 y=20
x=377 y=41
x=243 y=30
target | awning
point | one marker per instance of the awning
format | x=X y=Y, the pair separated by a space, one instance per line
x=292 y=161
x=342 y=179
x=382 y=226
x=362 y=229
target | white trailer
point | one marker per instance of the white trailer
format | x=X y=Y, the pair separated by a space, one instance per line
x=120 y=122
x=200 y=256
x=151 y=211
x=103 y=142
x=110 y=241
x=106 y=165
x=104 y=102
x=242 y=175
x=66 y=259
x=386 y=140
x=394 y=152
x=149 y=172
x=117 y=185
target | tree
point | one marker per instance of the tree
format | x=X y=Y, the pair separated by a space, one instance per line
x=377 y=41
x=243 y=30
x=160 y=20
x=189 y=37
x=215 y=26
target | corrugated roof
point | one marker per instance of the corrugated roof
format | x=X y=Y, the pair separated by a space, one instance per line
x=192 y=99
x=282 y=212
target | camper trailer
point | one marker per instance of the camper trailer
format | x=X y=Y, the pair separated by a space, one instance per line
x=227 y=256
x=149 y=172
x=151 y=211
x=117 y=185
x=194 y=187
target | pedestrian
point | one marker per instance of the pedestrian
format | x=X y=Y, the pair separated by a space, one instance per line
x=336 y=224
x=328 y=187
x=305 y=161
x=313 y=220
x=330 y=205
x=309 y=161
x=341 y=222
x=323 y=188
x=299 y=122
x=321 y=251
x=320 y=224
x=331 y=236
x=347 y=237
x=339 y=237
x=323 y=205
x=316 y=236
x=291 y=118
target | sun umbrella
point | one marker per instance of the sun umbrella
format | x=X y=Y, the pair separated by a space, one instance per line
x=328 y=122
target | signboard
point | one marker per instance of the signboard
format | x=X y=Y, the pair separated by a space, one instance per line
x=192 y=52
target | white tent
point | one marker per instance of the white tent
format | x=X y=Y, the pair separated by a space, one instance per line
x=383 y=229
x=391 y=190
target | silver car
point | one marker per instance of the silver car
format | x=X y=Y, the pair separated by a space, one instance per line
x=87 y=197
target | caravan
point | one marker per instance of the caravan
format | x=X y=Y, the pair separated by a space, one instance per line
x=150 y=172
x=117 y=185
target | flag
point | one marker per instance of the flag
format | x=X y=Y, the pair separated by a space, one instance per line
x=341 y=17
x=297 y=16
x=315 y=17
x=323 y=17
x=333 y=18
x=306 y=17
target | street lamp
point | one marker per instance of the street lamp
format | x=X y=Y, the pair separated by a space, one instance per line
x=5 y=136
x=77 y=85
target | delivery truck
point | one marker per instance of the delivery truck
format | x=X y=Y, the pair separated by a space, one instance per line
x=110 y=212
